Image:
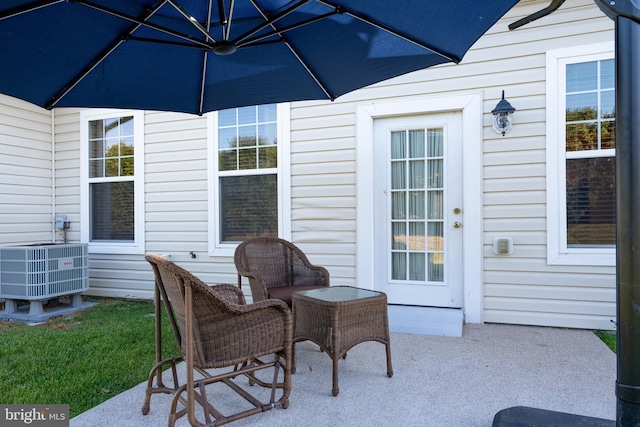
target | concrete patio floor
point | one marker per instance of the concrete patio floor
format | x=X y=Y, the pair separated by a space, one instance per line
x=437 y=381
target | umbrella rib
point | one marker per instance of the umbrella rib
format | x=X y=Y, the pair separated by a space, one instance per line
x=228 y=23
x=61 y=94
x=192 y=20
x=295 y=53
x=280 y=31
x=269 y=21
x=364 y=18
x=29 y=8
x=204 y=61
x=142 y=22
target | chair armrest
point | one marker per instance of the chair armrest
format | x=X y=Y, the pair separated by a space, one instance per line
x=267 y=304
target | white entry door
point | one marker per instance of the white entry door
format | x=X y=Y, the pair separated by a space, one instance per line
x=418 y=212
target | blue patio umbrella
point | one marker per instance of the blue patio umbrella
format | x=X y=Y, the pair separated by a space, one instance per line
x=200 y=55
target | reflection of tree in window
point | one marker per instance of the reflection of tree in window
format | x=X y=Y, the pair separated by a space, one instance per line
x=112 y=202
x=249 y=207
x=591 y=205
x=247 y=167
x=590 y=170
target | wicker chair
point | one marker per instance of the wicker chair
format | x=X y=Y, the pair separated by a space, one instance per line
x=216 y=329
x=276 y=269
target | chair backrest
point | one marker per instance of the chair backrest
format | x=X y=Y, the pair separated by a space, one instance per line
x=277 y=262
x=211 y=311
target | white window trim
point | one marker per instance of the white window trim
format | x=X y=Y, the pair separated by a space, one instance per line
x=557 y=251
x=137 y=246
x=284 y=181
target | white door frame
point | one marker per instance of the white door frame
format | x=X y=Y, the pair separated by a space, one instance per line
x=470 y=104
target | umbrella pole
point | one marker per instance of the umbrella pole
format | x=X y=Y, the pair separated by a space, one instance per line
x=628 y=220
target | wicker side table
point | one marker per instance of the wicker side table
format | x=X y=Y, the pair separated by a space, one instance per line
x=340 y=317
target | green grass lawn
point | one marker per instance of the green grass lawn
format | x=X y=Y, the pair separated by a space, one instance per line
x=82 y=359
x=609 y=338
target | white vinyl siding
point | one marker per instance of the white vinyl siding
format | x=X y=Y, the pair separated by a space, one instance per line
x=523 y=288
x=26 y=190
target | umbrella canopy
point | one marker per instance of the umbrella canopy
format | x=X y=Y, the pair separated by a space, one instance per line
x=200 y=55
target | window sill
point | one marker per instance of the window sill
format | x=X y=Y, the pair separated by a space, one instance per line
x=600 y=259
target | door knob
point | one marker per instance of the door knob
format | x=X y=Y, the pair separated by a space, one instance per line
x=457 y=224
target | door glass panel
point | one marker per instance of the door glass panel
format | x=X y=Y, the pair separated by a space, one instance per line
x=416 y=205
x=417 y=164
x=399 y=235
x=417 y=266
x=399 y=266
x=398 y=207
x=398 y=145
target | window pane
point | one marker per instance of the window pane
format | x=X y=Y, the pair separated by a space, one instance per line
x=399 y=266
x=111 y=129
x=227 y=160
x=246 y=115
x=227 y=138
x=582 y=106
x=96 y=129
x=268 y=134
x=582 y=136
x=581 y=77
x=436 y=267
x=268 y=157
x=267 y=113
x=96 y=168
x=434 y=143
x=416 y=174
x=112 y=211
x=248 y=207
x=398 y=175
x=247 y=159
x=436 y=236
x=435 y=204
x=247 y=136
x=398 y=145
x=416 y=205
x=435 y=173
x=416 y=236
x=399 y=233
x=607 y=74
x=591 y=204
x=398 y=207
x=417 y=266
x=126 y=126
x=126 y=166
x=608 y=135
x=227 y=117
x=608 y=105
x=416 y=143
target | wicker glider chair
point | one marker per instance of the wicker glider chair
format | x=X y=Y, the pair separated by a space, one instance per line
x=216 y=329
x=276 y=269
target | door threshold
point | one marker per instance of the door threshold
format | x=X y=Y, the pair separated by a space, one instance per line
x=408 y=319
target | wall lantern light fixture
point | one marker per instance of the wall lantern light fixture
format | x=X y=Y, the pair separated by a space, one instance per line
x=503 y=116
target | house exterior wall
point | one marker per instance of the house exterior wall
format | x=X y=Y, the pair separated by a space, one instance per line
x=521 y=288
x=26 y=192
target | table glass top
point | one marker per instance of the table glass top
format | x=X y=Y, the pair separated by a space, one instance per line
x=339 y=293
